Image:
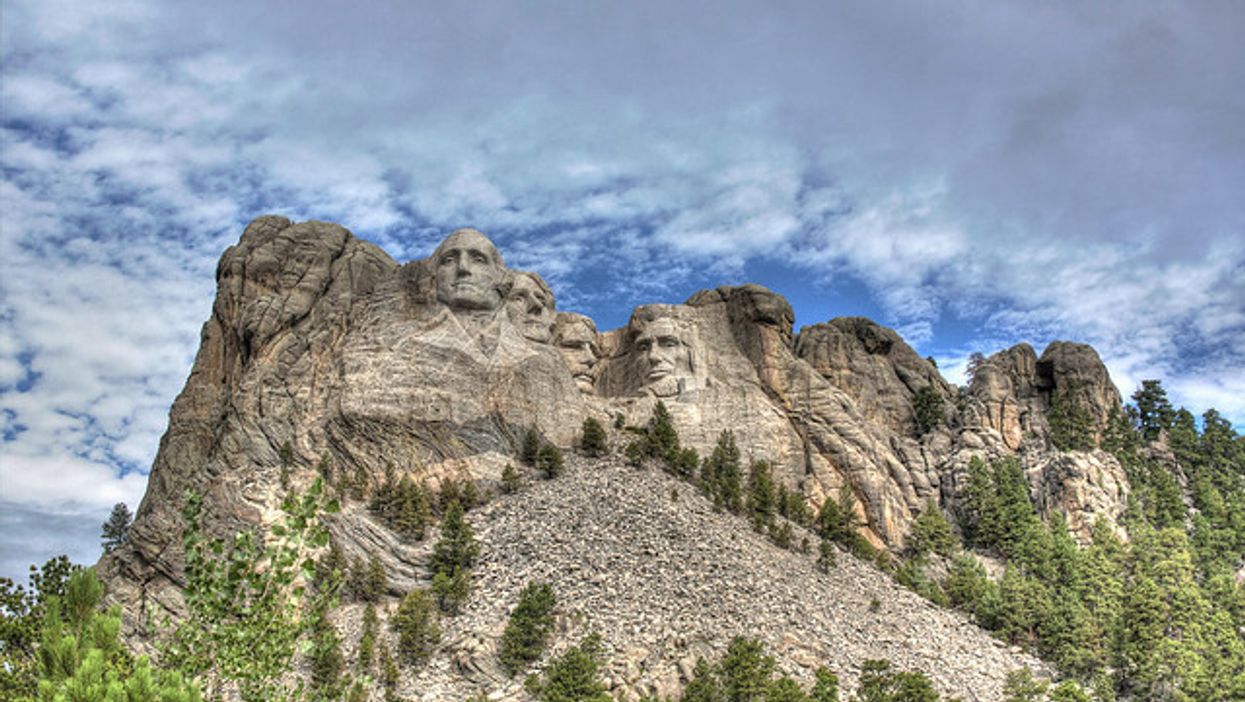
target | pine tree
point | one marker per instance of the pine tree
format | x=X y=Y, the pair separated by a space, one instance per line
x=510 y=480
x=116 y=531
x=326 y=659
x=531 y=446
x=592 y=438
x=662 y=439
x=529 y=627
x=367 y=640
x=549 y=461
x=927 y=410
x=931 y=532
x=573 y=677
x=745 y=671
x=703 y=687
x=1071 y=426
x=374 y=582
x=451 y=589
x=415 y=623
x=762 y=497
x=1154 y=411
x=825 y=686
x=722 y=475
x=457 y=549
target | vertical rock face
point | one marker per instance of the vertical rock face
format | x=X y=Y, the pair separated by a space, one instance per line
x=323 y=351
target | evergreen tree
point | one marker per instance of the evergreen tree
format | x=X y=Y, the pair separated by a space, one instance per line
x=703 y=687
x=592 y=438
x=785 y=689
x=661 y=438
x=21 y=621
x=549 y=461
x=745 y=671
x=1021 y=686
x=367 y=640
x=116 y=530
x=1154 y=411
x=574 y=676
x=80 y=656
x=374 y=581
x=531 y=446
x=825 y=686
x=529 y=627
x=1071 y=426
x=451 y=589
x=415 y=623
x=931 y=532
x=326 y=659
x=879 y=683
x=762 y=497
x=457 y=549
x=721 y=474
x=510 y=480
x=927 y=408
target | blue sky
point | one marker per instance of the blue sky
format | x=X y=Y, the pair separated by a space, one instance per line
x=973 y=174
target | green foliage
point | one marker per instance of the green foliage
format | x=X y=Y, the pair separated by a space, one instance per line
x=21 y=621
x=931 y=532
x=367 y=640
x=662 y=438
x=721 y=474
x=911 y=574
x=683 y=463
x=1021 y=686
x=404 y=506
x=528 y=629
x=703 y=687
x=116 y=531
x=592 y=438
x=574 y=676
x=531 y=446
x=451 y=589
x=245 y=600
x=879 y=683
x=452 y=558
x=415 y=623
x=549 y=461
x=1071 y=425
x=825 y=686
x=511 y=481
x=762 y=495
x=745 y=672
x=80 y=657
x=927 y=408
x=325 y=657
x=838 y=523
x=1153 y=411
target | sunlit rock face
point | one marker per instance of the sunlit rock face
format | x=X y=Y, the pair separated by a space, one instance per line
x=322 y=350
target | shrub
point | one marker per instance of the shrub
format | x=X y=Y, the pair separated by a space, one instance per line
x=531 y=446
x=927 y=406
x=511 y=481
x=573 y=677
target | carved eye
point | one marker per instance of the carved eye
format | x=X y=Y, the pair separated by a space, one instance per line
x=447 y=259
x=669 y=342
x=479 y=257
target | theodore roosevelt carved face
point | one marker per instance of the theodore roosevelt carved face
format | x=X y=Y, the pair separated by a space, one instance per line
x=469 y=271
x=576 y=339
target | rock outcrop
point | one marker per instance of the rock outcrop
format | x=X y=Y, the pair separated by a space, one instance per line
x=323 y=354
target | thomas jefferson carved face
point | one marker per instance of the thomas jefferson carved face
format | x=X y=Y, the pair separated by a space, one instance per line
x=530 y=306
x=577 y=341
x=667 y=356
x=469 y=271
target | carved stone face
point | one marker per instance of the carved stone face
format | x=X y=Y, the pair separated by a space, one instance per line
x=469 y=271
x=667 y=356
x=577 y=341
x=530 y=306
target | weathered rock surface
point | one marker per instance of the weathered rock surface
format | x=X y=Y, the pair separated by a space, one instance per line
x=323 y=350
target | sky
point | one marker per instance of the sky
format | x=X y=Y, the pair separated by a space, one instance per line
x=974 y=174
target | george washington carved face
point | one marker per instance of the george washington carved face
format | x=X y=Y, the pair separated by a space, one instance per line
x=469 y=271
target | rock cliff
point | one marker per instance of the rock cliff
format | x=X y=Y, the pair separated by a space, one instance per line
x=322 y=354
